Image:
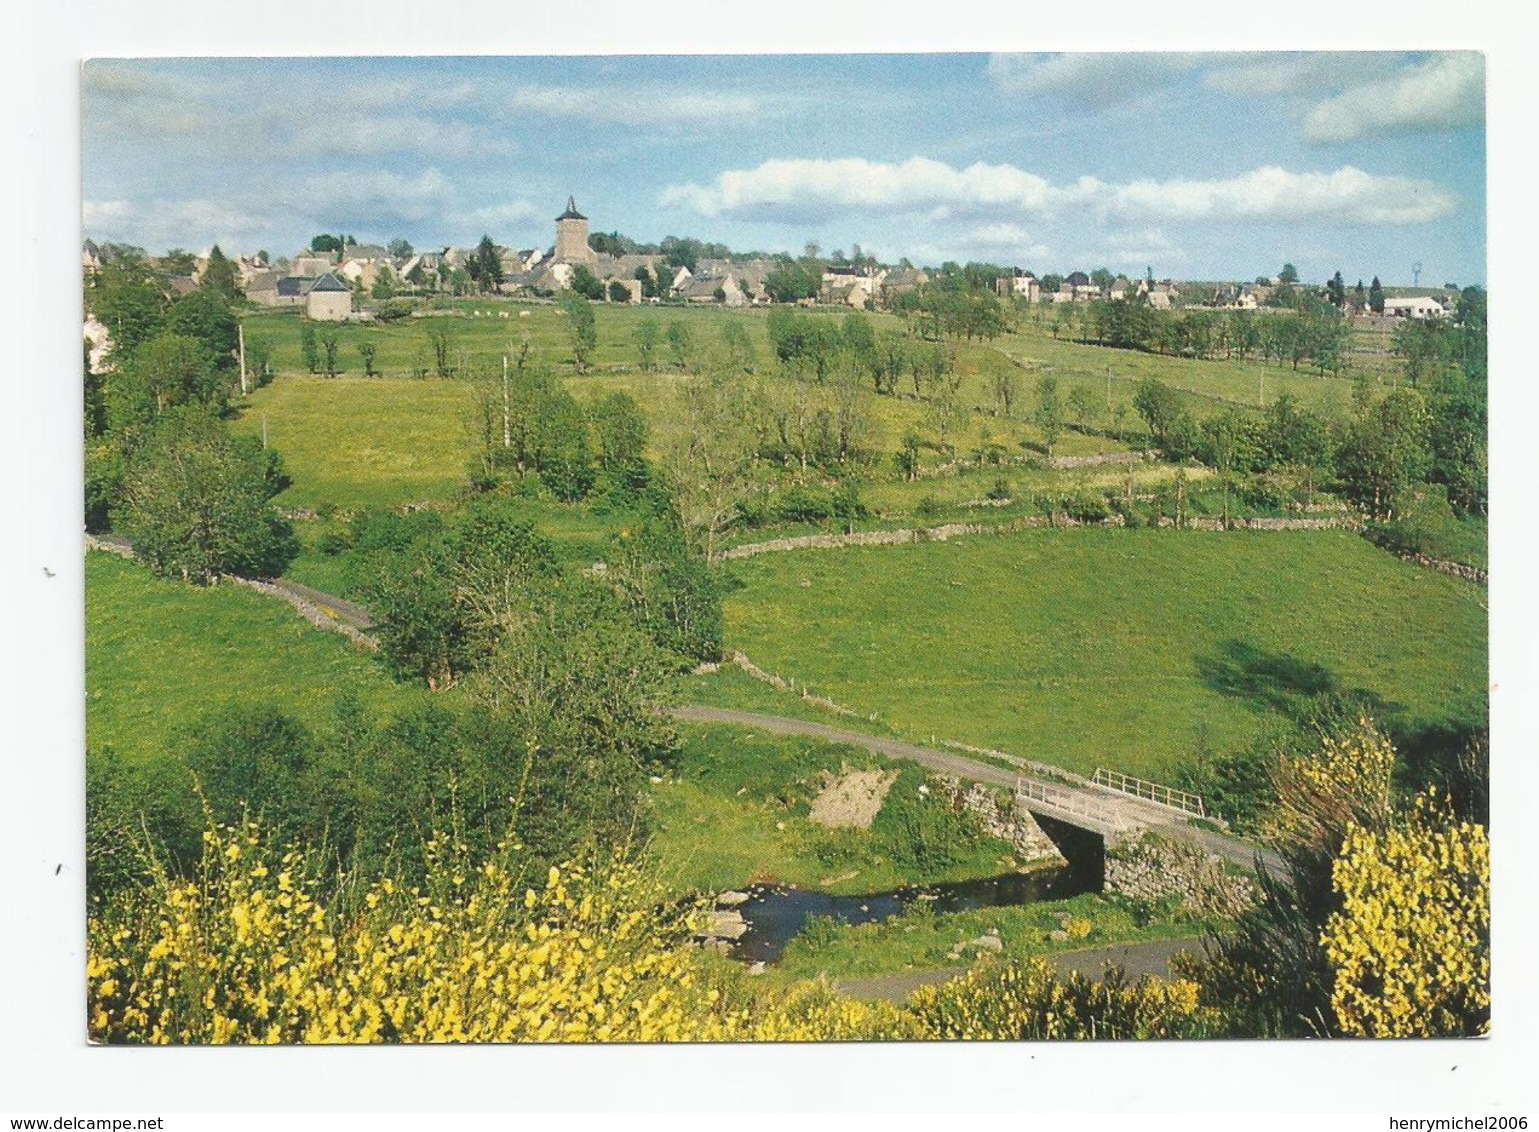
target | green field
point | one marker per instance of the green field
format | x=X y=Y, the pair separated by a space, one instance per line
x=395 y=439
x=160 y=654
x=735 y=812
x=1089 y=648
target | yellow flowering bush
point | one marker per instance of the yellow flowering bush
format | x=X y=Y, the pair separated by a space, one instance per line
x=1410 y=947
x=1029 y=1001
x=1345 y=782
x=247 y=953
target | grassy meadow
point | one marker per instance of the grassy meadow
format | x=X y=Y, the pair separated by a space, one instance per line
x=392 y=439
x=1112 y=648
x=160 y=654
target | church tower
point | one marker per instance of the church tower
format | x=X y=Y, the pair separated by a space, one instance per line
x=572 y=237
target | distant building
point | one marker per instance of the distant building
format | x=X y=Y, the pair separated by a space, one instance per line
x=329 y=300
x=1417 y=307
x=572 y=236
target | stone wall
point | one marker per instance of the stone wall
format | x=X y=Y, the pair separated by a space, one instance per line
x=1154 y=869
x=1002 y=819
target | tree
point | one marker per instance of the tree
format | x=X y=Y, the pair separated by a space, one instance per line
x=679 y=344
x=618 y=292
x=1006 y=386
x=1159 y=405
x=1289 y=274
x=622 y=439
x=1337 y=290
x=168 y=371
x=581 y=329
x=1049 y=413
x=710 y=461
x=125 y=296
x=219 y=276
x=366 y=350
x=586 y=284
x=645 y=334
x=485 y=265
x=325 y=242
x=384 y=283
x=441 y=342
x=1376 y=296
x=206 y=316
x=197 y=501
x=329 y=345
x=399 y=248
x=308 y=347
x=1082 y=404
x=1386 y=449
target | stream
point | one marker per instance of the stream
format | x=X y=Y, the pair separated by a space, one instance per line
x=776 y=914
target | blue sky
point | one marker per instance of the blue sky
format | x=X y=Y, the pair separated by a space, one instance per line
x=1197 y=165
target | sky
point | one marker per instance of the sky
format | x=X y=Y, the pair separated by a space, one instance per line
x=1198 y=166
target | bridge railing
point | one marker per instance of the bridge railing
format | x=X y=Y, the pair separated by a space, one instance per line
x=1150 y=791
x=1065 y=800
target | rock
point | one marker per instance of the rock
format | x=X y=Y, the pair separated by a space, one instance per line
x=1058 y=936
x=780 y=826
x=756 y=968
x=731 y=899
x=656 y=780
x=806 y=584
x=727 y=924
x=992 y=932
x=953 y=955
x=987 y=943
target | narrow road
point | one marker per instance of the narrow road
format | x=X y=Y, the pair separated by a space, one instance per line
x=1131 y=811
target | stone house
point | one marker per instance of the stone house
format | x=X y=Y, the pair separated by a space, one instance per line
x=329 y=300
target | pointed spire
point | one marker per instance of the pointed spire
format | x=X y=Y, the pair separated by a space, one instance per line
x=571 y=212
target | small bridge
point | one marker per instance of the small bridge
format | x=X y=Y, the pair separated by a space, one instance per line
x=1115 y=814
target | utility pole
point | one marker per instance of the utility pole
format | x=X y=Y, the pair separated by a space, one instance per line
x=1108 y=390
x=507 y=427
x=240 y=328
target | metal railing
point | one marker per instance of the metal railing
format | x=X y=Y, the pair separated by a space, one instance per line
x=1069 y=801
x=1150 y=791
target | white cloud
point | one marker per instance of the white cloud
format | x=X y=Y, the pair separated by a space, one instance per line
x=379 y=135
x=1104 y=78
x=1275 y=195
x=1265 y=74
x=1133 y=250
x=509 y=214
x=372 y=199
x=931 y=189
x=1446 y=92
x=919 y=184
x=160 y=224
x=639 y=107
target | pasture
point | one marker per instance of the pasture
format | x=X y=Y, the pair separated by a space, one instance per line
x=160 y=654
x=1116 y=648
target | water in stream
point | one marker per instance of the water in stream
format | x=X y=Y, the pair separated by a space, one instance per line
x=776 y=913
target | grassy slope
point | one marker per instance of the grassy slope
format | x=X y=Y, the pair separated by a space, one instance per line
x=736 y=812
x=1088 y=648
x=159 y=654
